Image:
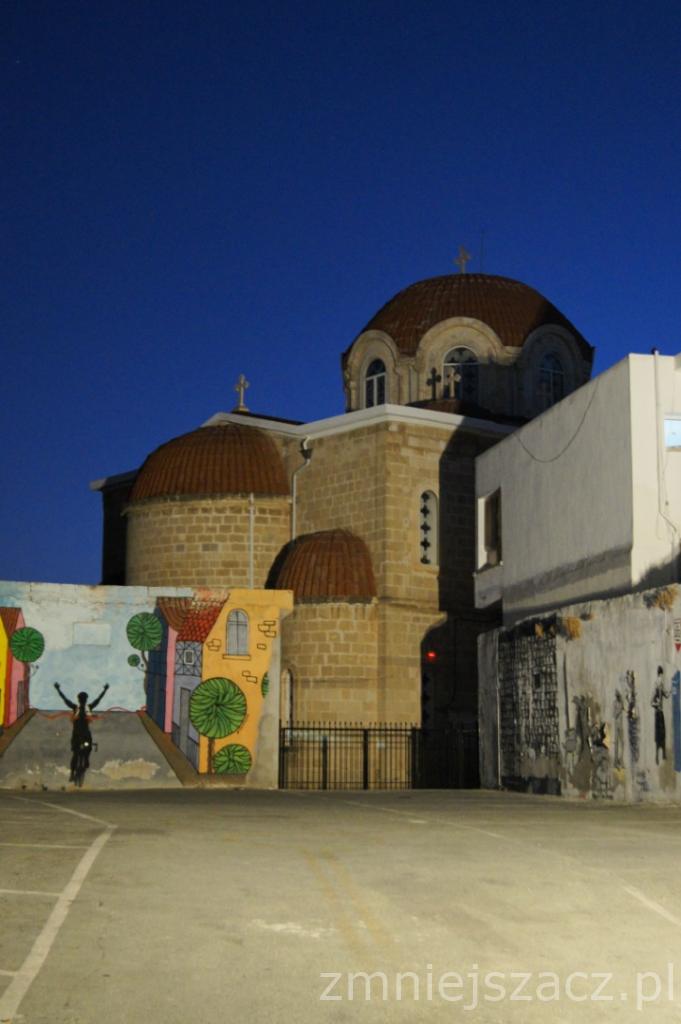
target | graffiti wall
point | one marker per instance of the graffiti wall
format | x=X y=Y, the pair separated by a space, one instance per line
x=197 y=662
x=586 y=702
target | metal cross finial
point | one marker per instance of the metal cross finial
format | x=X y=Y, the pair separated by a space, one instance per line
x=241 y=386
x=462 y=259
x=433 y=381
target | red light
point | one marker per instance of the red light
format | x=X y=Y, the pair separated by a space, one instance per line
x=431 y=655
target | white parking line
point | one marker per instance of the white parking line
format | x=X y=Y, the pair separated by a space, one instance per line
x=28 y=892
x=652 y=905
x=67 y=810
x=430 y=820
x=49 y=846
x=11 y=999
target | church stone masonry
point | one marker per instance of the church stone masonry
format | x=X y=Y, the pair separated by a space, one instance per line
x=382 y=497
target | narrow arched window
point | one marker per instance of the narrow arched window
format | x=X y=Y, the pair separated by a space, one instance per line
x=428 y=528
x=551 y=380
x=460 y=375
x=237 y=633
x=375 y=384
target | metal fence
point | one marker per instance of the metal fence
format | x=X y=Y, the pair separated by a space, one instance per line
x=351 y=756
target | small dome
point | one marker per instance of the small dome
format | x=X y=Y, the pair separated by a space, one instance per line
x=230 y=458
x=512 y=309
x=333 y=565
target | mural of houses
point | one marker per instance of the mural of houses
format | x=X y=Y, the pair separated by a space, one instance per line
x=187 y=626
x=14 y=674
x=206 y=678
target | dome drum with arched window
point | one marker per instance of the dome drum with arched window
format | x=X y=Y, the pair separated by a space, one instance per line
x=457 y=344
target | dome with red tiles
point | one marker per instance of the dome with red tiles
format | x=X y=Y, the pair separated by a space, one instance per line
x=229 y=458
x=512 y=309
x=332 y=565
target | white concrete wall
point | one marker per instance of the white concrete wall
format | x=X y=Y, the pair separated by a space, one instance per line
x=566 y=501
x=655 y=393
x=607 y=660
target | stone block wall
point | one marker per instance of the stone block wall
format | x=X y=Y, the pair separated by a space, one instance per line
x=204 y=541
x=331 y=651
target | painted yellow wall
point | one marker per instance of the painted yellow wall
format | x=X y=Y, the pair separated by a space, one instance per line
x=265 y=609
x=4 y=654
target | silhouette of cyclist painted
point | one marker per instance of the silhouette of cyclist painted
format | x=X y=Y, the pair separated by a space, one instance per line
x=81 y=737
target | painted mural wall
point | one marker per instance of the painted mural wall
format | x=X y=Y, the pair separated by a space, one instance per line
x=196 y=661
x=586 y=702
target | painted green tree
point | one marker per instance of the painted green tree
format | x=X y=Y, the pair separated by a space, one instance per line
x=234 y=759
x=145 y=633
x=217 y=708
x=27 y=644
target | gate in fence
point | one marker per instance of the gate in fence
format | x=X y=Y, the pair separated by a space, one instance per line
x=340 y=756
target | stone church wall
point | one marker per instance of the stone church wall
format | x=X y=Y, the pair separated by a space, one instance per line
x=330 y=650
x=204 y=542
x=371 y=481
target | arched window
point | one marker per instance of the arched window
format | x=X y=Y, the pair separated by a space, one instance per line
x=551 y=380
x=428 y=529
x=460 y=375
x=237 y=633
x=375 y=384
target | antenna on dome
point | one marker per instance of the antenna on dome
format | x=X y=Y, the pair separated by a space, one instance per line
x=462 y=259
x=241 y=386
x=482 y=250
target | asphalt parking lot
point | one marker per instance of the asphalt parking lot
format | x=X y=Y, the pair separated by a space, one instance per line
x=138 y=907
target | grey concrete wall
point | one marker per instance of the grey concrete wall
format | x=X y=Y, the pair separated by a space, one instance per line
x=126 y=755
x=583 y=706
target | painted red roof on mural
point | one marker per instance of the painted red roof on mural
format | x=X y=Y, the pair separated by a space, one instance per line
x=10 y=619
x=174 y=610
x=199 y=620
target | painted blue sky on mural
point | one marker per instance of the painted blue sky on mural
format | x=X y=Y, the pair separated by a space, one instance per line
x=192 y=191
x=86 y=643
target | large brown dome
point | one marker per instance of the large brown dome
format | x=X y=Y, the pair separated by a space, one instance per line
x=332 y=565
x=224 y=459
x=512 y=309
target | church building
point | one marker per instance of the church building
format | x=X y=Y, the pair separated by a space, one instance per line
x=368 y=516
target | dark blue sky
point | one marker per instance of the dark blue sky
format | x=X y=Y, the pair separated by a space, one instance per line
x=194 y=190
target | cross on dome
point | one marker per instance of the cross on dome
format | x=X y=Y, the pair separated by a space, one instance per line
x=241 y=386
x=462 y=259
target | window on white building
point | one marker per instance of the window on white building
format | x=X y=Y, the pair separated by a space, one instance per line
x=428 y=528
x=672 y=433
x=375 y=386
x=237 y=633
x=492 y=529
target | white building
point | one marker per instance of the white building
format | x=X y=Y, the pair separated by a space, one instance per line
x=584 y=502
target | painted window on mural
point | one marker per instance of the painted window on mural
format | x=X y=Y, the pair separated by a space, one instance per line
x=460 y=375
x=375 y=384
x=428 y=539
x=551 y=380
x=189 y=657
x=493 y=529
x=237 y=633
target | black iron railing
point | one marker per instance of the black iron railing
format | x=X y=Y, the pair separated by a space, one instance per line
x=355 y=756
